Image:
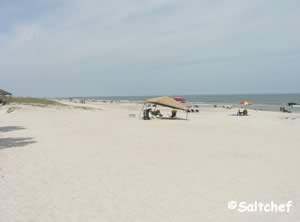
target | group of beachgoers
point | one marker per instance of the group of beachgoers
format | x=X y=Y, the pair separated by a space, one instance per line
x=151 y=112
x=242 y=112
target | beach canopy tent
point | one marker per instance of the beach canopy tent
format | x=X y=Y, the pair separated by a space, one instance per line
x=4 y=93
x=167 y=101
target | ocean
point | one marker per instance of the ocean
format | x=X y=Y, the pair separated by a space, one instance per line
x=267 y=102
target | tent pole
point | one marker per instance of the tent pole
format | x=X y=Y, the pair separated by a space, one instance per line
x=141 y=111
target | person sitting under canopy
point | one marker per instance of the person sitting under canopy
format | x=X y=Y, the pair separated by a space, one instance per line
x=174 y=113
x=156 y=113
x=146 y=115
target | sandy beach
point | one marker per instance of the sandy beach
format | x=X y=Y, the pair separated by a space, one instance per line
x=61 y=164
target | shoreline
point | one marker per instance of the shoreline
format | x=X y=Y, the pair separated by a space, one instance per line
x=255 y=107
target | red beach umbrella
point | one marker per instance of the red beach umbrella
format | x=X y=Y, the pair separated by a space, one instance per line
x=180 y=99
x=246 y=103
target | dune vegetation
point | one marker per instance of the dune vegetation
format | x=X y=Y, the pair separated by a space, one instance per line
x=34 y=101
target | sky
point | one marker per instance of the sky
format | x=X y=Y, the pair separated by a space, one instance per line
x=52 y=48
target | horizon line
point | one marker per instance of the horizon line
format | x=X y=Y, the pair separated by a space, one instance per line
x=204 y=94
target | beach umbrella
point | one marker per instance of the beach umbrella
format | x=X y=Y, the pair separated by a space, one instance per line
x=246 y=103
x=180 y=99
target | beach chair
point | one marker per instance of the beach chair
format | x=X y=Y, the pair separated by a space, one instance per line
x=156 y=113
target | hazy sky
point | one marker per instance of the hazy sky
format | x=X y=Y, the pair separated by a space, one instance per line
x=144 y=47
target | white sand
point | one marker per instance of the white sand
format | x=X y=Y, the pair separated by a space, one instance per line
x=78 y=165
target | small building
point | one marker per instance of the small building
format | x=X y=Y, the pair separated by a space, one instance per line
x=4 y=96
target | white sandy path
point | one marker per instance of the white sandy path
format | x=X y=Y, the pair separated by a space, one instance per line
x=105 y=166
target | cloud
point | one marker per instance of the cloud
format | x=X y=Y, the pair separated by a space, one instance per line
x=95 y=42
